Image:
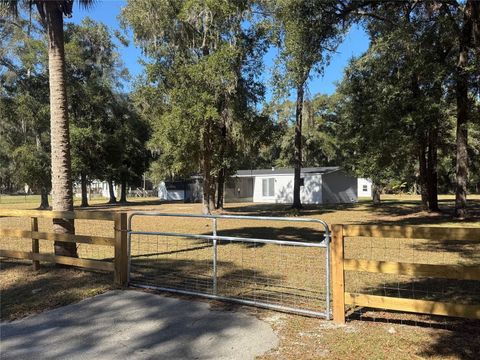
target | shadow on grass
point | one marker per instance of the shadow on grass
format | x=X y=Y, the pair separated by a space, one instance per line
x=398 y=212
x=116 y=206
x=404 y=212
x=197 y=275
x=171 y=252
x=411 y=213
x=14 y=264
x=278 y=210
x=469 y=250
x=460 y=337
x=25 y=291
x=286 y=233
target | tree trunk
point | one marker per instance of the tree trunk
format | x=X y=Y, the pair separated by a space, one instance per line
x=220 y=189
x=473 y=7
x=298 y=148
x=432 y=173
x=462 y=125
x=208 y=201
x=123 y=191
x=422 y=167
x=83 y=181
x=208 y=192
x=211 y=198
x=376 y=190
x=111 y=191
x=62 y=192
x=44 y=198
x=223 y=147
x=428 y=176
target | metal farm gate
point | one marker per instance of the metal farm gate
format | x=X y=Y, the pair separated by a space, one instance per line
x=290 y=273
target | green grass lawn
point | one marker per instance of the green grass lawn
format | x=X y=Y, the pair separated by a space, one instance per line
x=244 y=270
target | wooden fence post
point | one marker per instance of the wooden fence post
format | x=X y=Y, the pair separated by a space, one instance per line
x=121 y=255
x=35 y=244
x=338 y=276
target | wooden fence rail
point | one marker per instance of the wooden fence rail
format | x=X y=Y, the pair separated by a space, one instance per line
x=340 y=264
x=119 y=266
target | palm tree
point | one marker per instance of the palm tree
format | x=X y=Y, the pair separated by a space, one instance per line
x=51 y=15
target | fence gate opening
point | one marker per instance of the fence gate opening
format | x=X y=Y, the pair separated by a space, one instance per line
x=244 y=259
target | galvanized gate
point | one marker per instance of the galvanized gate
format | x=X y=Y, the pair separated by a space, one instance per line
x=279 y=274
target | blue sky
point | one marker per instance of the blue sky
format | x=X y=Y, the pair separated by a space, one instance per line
x=354 y=44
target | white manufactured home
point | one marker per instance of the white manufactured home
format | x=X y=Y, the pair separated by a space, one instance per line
x=319 y=185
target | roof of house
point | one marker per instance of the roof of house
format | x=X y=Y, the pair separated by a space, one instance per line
x=287 y=171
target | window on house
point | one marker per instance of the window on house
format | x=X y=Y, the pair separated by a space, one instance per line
x=365 y=187
x=268 y=187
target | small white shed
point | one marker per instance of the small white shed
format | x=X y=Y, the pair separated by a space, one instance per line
x=364 y=187
x=170 y=191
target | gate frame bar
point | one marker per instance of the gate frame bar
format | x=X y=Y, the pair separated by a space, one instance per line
x=325 y=243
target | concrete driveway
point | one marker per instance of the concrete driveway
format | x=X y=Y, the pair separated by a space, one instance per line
x=136 y=325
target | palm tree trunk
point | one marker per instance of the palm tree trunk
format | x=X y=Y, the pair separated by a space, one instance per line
x=298 y=148
x=62 y=192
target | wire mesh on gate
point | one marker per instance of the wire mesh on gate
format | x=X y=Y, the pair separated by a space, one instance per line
x=287 y=275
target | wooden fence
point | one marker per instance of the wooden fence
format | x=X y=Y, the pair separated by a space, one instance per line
x=119 y=266
x=340 y=264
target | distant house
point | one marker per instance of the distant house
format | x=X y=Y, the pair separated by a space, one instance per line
x=319 y=185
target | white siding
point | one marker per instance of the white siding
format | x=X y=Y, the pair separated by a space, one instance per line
x=364 y=187
x=283 y=189
x=310 y=193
